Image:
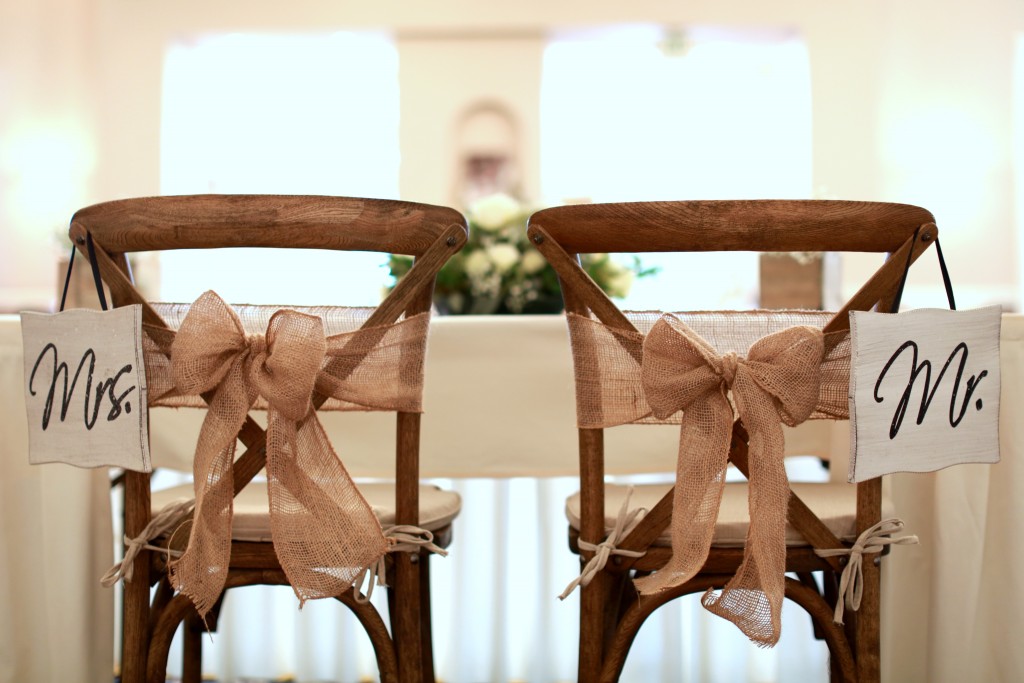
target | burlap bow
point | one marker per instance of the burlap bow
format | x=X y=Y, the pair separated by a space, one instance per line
x=325 y=533
x=777 y=382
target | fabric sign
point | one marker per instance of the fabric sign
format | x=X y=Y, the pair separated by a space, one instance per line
x=85 y=388
x=924 y=390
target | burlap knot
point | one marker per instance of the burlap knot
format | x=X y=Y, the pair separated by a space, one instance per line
x=777 y=382
x=324 y=532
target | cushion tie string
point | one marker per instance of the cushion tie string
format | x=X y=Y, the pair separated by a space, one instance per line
x=168 y=518
x=402 y=538
x=873 y=540
x=625 y=523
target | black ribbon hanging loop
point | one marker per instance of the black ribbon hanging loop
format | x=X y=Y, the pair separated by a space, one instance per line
x=95 y=274
x=946 y=282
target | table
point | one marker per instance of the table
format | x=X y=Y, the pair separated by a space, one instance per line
x=499 y=403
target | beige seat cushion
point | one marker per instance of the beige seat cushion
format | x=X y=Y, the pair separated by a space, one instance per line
x=252 y=517
x=834 y=503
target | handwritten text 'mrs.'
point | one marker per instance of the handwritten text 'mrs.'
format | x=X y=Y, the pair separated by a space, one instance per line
x=59 y=374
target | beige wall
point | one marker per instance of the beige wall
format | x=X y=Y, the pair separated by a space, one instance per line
x=441 y=77
x=912 y=101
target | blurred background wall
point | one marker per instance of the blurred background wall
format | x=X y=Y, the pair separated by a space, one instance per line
x=912 y=101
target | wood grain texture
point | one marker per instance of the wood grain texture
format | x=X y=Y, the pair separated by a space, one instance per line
x=179 y=609
x=608 y=623
x=589 y=295
x=136 y=615
x=867 y=621
x=754 y=225
x=878 y=290
x=431 y=234
x=307 y=222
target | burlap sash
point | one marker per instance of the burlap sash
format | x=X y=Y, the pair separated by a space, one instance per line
x=324 y=532
x=777 y=382
x=684 y=378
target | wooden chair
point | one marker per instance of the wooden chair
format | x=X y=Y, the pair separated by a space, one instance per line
x=621 y=369
x=429 y=233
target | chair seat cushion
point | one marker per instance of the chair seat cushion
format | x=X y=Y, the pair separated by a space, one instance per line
x=252 y=509
x=834 y=503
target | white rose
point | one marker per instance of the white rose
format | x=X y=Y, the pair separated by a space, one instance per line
x=503 y=256
x=533 y=262
x=477 y=264
x=456 y=302
x=494 y=211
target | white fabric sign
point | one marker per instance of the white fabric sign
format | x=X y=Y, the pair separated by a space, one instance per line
x=85 y=388
x=924 y=390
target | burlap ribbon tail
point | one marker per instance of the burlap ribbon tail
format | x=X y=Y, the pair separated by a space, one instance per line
x=324 y=532
x=777 y=382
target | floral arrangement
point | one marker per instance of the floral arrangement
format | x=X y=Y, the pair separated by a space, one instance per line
x=499 y=271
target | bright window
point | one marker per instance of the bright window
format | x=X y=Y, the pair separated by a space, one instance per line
x=641 y=113
x=279 y=114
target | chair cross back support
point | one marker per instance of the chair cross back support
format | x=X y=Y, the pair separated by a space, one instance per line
x=431 y=234
x=904 y=232
x=213 y=222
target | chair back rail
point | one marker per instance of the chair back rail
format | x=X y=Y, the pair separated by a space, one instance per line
x=291 y=222
x=124 y=224
x=751 y=225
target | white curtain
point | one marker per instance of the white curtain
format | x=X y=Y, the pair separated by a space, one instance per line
x=496 y=615
x=952 y=605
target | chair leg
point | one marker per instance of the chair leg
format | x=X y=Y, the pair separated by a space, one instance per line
x=835 y=671
x=192 y=660
x=595 y=599
x=173 y=614
x=135 y=624
x=841 y=658
x=373 y=625
x=830 y=592
x=426 y=632
x=866 y=626
x=164 y=593
x=406 y=619
x=135 y=633
x=603 y=604
x=192 y=636
x=807 y=579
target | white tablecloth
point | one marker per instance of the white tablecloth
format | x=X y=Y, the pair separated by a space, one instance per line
x=499 y=402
